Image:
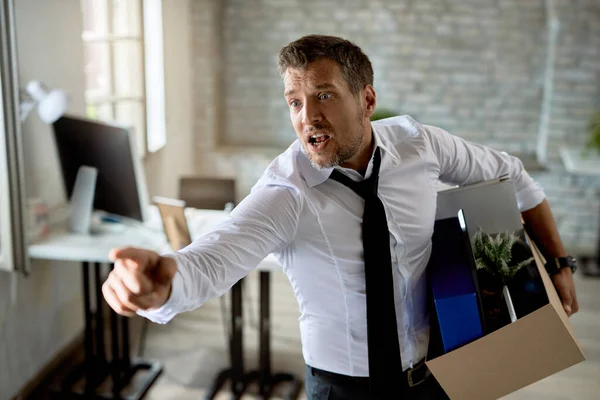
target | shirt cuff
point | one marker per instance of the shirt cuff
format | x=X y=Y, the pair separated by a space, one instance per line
x=167 y=311
x=530 y=197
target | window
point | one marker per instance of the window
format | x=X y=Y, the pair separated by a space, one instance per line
x=124 y=67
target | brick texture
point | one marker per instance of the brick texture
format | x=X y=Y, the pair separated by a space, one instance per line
x=474 y=67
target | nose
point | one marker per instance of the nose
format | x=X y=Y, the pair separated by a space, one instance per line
x=311 y=113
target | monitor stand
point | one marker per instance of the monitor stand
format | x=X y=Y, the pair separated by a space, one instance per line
x=82 y=200
x=82 y=218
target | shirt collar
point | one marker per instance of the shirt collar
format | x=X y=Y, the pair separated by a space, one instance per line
x=315 y=176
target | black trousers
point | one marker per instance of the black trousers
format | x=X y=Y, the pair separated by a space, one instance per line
x=322 y=388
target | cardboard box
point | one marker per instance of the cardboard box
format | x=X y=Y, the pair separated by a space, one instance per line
x=533 y=347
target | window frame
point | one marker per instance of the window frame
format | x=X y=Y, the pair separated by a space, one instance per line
x=13 y=243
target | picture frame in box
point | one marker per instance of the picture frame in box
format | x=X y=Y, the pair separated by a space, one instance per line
x=456 y=310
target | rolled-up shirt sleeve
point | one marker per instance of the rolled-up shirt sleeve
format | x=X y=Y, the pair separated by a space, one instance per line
x=462 y=162
x=264 y=222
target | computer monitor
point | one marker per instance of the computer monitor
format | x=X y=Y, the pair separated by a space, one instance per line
x=120 y=183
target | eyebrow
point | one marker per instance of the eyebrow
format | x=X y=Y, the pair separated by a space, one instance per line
x=318 y=87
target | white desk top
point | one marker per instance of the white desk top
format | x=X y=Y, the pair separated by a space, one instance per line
x=63 y=245
x=580 y=163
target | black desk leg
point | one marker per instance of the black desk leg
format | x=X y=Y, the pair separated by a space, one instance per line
x=267 y=380
x=93 y=369
x=115 y=365
x=96 y=368
x=126 y=361
x=115 y=353
x=235 y=372
x=100 y=351
x=265 y=336
x=237 y=343
x=122 y=368
x=88 y=338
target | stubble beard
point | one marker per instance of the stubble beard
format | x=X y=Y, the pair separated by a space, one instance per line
x=342 y=153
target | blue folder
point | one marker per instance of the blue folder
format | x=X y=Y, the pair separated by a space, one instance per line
x=453 y=284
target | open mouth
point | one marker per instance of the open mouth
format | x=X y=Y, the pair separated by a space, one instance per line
x=318 y=140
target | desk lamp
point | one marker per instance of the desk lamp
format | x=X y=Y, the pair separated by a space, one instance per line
x=51 y=105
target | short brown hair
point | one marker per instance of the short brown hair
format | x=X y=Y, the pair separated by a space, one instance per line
x=356 y=66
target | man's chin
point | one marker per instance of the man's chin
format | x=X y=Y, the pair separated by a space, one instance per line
x=321 y=162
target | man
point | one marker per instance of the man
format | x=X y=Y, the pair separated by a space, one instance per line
x=307 y=211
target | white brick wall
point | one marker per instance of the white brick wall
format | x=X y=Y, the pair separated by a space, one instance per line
x=473 y=67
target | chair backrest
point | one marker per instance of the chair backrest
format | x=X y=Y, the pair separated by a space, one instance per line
x=207 y=193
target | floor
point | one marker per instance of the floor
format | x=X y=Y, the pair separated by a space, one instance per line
x=192 y=347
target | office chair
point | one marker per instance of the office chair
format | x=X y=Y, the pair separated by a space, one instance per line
x=207 y=193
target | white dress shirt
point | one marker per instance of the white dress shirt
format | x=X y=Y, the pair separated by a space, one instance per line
x=312 y=225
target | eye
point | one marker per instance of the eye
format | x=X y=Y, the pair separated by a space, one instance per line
x=325 y=96
x=294 y=103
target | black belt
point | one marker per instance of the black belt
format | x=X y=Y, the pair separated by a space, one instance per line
x=414 y=376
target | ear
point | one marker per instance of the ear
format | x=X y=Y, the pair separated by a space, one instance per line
x=369 y=100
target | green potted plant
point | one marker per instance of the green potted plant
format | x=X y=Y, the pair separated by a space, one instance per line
x=382 y=113
x=494 y=258
x=594 y=132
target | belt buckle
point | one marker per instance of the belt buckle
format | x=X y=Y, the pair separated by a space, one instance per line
x=425 y=374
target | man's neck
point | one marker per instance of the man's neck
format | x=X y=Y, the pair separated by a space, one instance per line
x=361 y=162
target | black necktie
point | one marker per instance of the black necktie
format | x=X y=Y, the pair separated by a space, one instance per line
x=385 y=364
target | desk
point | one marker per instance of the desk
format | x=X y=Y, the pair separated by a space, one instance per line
x=65 y=246
x=62 y=245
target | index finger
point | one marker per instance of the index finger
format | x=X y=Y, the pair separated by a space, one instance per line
x=141 y=257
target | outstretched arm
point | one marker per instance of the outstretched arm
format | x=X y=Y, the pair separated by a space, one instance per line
x=264 y=222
